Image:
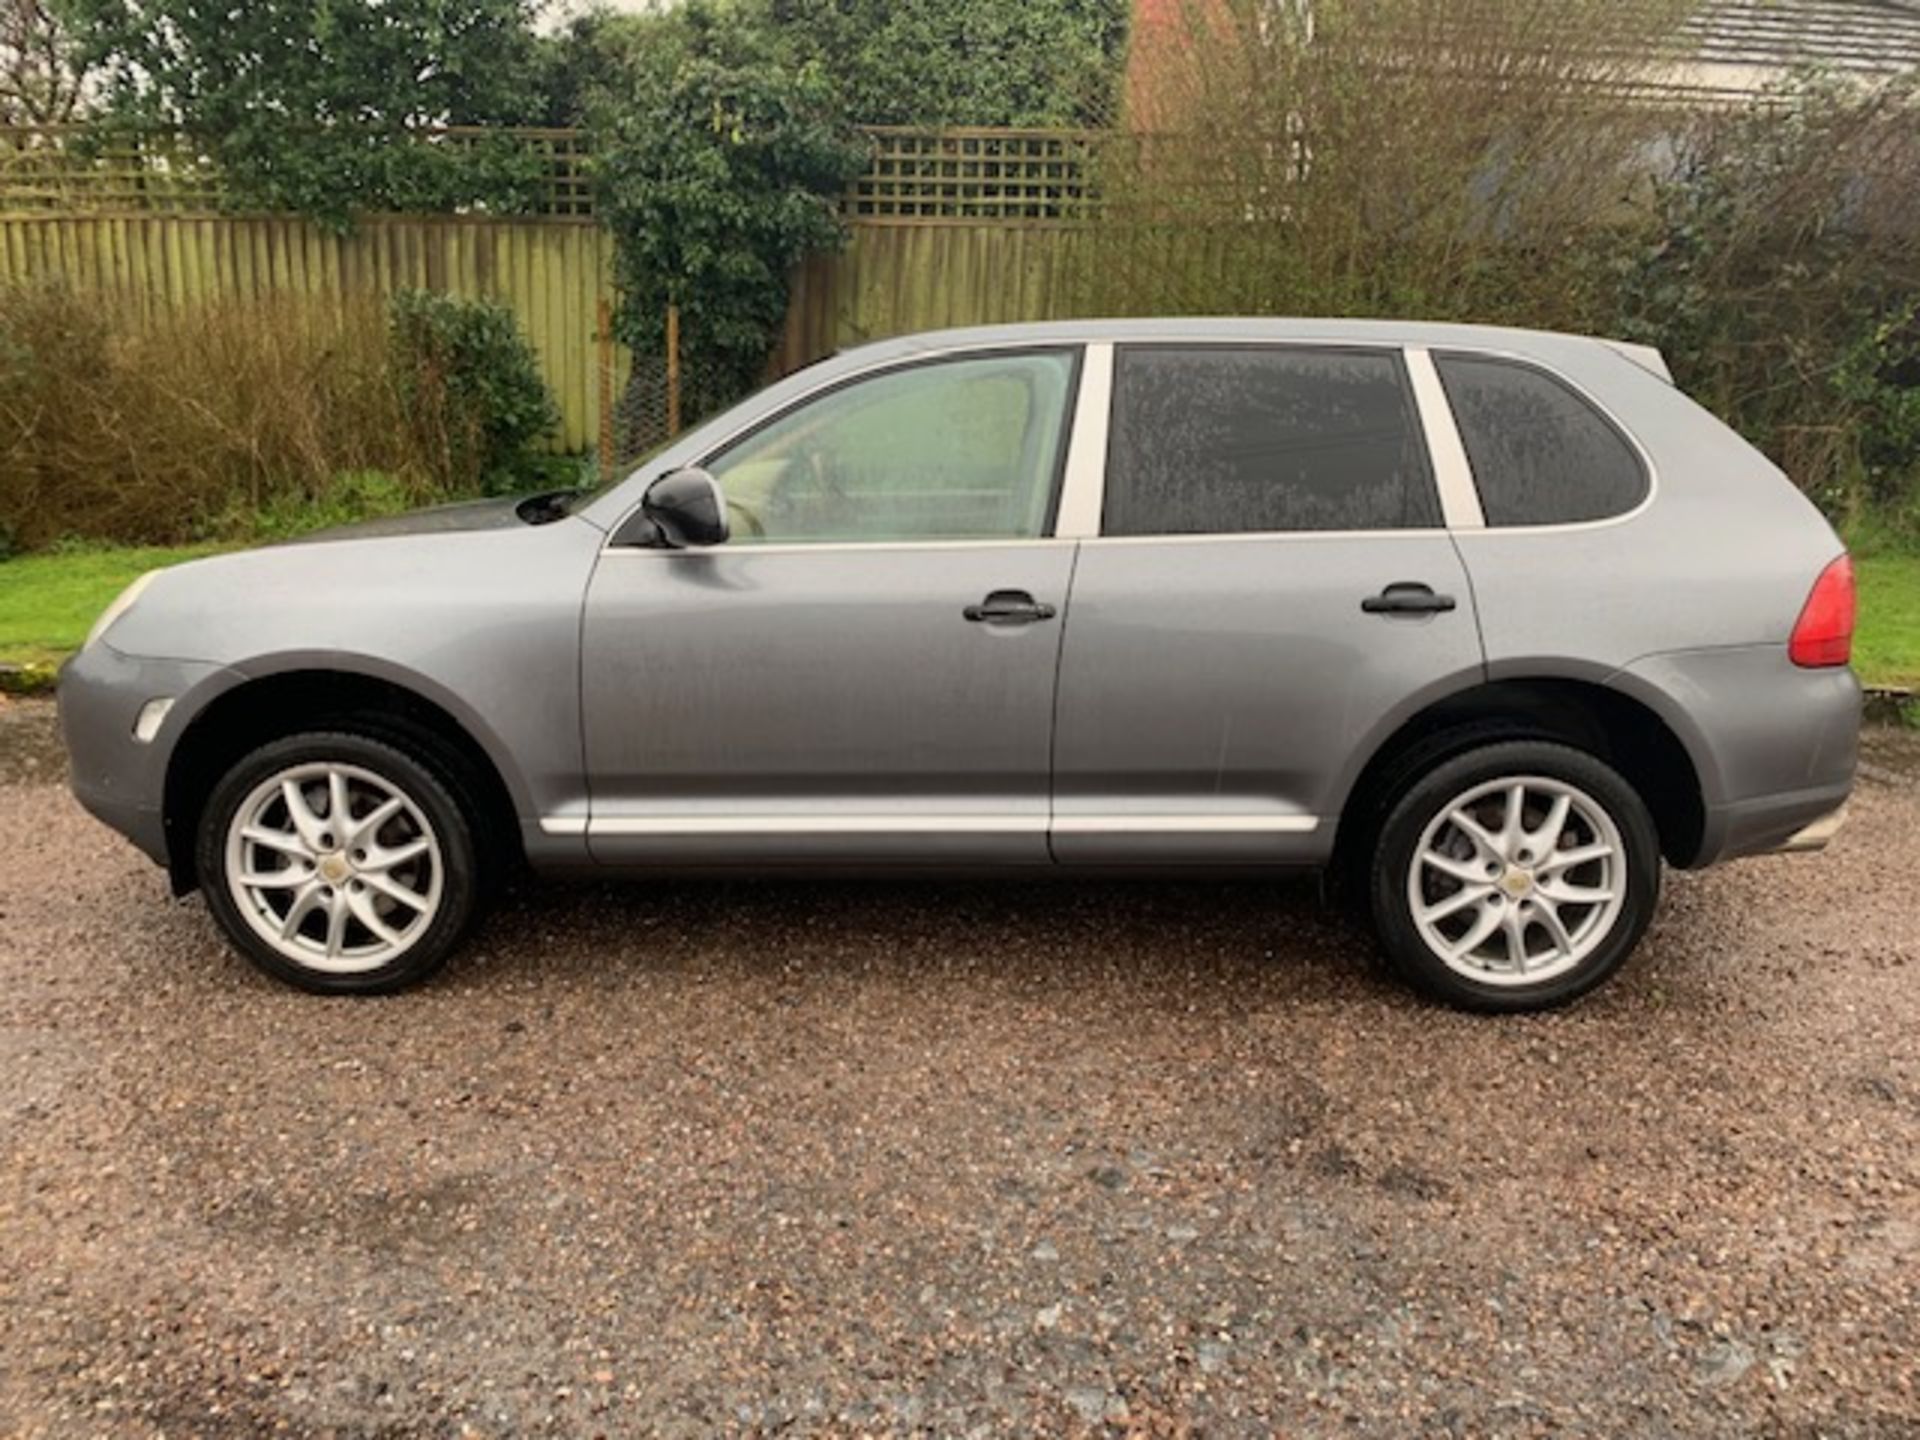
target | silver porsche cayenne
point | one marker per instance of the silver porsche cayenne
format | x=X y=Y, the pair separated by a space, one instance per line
x=1486 y=624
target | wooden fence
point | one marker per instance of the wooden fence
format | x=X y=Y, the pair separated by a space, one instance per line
x=550 y=274
x=892 y=279
x=945 y=228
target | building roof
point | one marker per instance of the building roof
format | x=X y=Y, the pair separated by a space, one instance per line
x=1860 y=36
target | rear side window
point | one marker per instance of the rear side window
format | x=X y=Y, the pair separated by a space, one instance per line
x=1219 y=439
x=1540 y=453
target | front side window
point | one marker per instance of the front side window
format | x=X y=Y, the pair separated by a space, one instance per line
x=1541 y=454
x=1222 y=439
x=953 y=450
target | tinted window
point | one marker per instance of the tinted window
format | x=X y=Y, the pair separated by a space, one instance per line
x=1226 y=439
x=1541 y=454
x=963 y=449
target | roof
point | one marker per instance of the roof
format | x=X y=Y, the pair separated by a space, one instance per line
x=1860 y=36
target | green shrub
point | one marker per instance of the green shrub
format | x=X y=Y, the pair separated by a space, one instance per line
x=1776 y=268
x=718 y=163
x=350 y=496
x=470 y=387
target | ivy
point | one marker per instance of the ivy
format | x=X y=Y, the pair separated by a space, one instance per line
x=719 y=161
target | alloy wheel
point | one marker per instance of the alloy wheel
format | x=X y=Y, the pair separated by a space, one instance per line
x=1517 y=880
x=335 y=867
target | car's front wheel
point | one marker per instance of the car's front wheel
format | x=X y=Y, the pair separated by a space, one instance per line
x=1515 y=877
x=338 y=862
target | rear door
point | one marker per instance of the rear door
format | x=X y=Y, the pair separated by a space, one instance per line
x=865 y=671
x=1273 y=588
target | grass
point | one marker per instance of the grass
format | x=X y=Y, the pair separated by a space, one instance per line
x=48 y=603
x=1886 y=648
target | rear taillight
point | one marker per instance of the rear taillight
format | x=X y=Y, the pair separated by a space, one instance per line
x=1823 y=635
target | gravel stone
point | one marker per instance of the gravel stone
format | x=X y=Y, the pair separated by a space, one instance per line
x=691 y=1159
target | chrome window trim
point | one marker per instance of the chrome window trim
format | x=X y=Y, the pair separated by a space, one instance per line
x=828 y=547
x=1459 y=493
x=1267 y=537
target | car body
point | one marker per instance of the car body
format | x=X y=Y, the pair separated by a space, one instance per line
x=1120 y=596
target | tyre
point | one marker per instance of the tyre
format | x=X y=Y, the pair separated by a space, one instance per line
x=338 y=862
x=1516 y=876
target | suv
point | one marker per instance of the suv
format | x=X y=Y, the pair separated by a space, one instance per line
x=1485 y=622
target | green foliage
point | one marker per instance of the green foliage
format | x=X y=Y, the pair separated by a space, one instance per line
x=1878 y=382
x=963 y=62
x=470 y=389
x=723 y=138
x=1776 y=268
x=309 y=107
x=350 y=496
x=41 y=81
x=718 y=160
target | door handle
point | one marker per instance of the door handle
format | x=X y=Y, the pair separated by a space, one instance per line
x=1407 y=597
x=1009 y=607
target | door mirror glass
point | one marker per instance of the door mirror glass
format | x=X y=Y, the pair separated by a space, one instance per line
x=687 y=509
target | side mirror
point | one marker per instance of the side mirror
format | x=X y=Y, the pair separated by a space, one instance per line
x=688 y=508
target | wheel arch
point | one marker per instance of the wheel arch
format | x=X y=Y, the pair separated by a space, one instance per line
x=308 y=692
x=1624 y=729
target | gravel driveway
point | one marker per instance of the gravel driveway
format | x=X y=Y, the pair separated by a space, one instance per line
x=1159 y=1159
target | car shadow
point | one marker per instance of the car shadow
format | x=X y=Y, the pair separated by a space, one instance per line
x=1176 y=931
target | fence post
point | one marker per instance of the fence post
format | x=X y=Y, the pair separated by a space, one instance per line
x=673 y=371
x=605 y=313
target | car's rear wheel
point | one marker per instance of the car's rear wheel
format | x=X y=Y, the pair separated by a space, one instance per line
x=1516 y=876
x=339 y=862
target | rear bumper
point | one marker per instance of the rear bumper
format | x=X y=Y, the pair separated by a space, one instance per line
x=1773 y=745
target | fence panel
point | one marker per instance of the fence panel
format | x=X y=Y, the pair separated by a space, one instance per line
x=892 y=279
x=550 y=274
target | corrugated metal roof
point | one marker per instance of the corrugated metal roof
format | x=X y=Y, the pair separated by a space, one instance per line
x=1871 y=36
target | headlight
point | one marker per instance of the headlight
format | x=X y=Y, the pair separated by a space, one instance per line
x=120 y=606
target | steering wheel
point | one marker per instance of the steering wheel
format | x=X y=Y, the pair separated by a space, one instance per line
x=748 y=518
x=808 y=489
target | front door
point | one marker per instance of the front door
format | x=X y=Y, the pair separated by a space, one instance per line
x=1272 y=590
x=864 y=671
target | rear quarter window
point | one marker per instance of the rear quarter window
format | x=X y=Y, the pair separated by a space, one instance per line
x=1541 y=453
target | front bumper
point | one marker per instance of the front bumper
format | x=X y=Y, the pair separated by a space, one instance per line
x=118 y=777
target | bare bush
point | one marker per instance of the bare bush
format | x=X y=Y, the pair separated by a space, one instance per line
x=1427 y=158
x=119 y=426
x=1513 y=161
